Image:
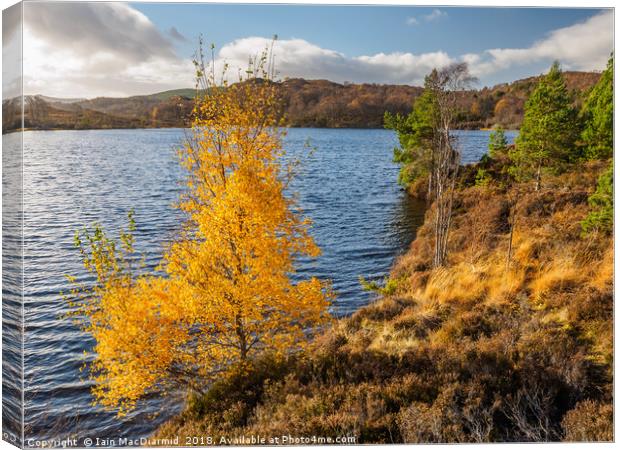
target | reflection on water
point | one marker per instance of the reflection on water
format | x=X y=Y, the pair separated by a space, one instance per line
x=347 y=185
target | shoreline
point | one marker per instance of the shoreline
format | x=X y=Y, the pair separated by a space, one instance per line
x=23 y=130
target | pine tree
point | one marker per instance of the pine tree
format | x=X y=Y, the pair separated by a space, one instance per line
x=549 y=131
x=598 y=114
x=497 y=142
x=416 y=135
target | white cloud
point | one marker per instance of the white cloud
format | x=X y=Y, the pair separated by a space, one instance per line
x=91 y=49
x=11 y=52
x=299 y=58
x=111 y=49
x=582 y=46
x=435 y=14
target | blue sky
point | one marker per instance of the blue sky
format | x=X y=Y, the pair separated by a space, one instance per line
x=118 y=49
x=365 y=30
x=362 y=30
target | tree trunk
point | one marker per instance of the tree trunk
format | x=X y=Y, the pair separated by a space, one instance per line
x=243 y=344
x=512 y=229
x=446 y=172
x=444 y=85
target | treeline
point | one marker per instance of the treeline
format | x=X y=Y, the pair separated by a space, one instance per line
x=47 y=114
x=307 y=103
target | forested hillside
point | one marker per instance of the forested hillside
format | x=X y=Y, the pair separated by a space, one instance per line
x=307 y=103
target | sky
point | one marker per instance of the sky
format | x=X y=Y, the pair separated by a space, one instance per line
x=120 y=49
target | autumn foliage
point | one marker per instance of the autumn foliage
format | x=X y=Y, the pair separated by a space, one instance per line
x=226 y=293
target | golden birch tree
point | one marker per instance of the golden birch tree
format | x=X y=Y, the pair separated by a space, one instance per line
x=226 y=295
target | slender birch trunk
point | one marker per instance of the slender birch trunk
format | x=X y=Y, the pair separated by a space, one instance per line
x=446 y=84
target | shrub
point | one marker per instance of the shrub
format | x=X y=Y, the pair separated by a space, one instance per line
x=589 y=421
x=483 y=178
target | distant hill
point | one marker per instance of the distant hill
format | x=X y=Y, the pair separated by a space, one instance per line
x=59 y=100
x=308 y=103
x=187 y=93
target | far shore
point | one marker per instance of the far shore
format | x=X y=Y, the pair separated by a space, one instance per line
x=187 y=128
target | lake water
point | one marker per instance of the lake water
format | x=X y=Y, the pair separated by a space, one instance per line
x=347 y=185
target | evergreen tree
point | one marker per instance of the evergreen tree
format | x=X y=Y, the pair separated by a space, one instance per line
x=416 y=134
x=549 y=130
x=598 y=114
x=497 y=142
